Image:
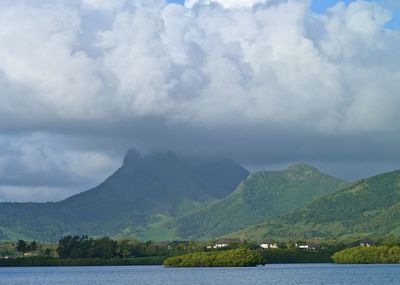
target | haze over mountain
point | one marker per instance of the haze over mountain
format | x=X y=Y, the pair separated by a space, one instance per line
x=146 y=189
x=368 y=207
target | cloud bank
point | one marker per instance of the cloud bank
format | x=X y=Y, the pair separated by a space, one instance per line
x=255 y=80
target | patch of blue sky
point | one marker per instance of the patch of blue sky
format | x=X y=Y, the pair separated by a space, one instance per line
x=394 y=23
x=176 y=1
x=320 y=6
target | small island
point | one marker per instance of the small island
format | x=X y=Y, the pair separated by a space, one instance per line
x=228 y=258
x=368 y=255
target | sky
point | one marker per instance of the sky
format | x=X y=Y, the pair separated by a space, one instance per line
x=264 y=82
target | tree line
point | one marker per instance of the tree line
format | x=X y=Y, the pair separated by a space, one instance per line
x=32 y=248
x=106 y=248
x=24 y=247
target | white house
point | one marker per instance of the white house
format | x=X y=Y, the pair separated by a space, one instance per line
x=308 y=246
x=366 y=242
x=225 y=242
x=268 y=244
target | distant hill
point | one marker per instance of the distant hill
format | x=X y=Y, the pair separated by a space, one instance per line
x=146 y=190
x=364 y=208
x=263 y=195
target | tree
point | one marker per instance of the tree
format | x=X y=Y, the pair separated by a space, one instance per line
x=75 y=247
x=33 y=246
x=104 y=248
x=47 y=252
x=22 y=246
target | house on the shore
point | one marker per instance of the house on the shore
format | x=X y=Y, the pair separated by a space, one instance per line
x=367 y=242
x=268 y=244
x=308 y=246
x=222 y=243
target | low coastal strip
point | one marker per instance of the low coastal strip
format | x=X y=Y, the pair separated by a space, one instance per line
x=228 y=258
x=88 y=251
x=54 y=261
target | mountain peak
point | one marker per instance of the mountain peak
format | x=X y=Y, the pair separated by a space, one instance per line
x=131 y=159
x=301 y=167
x=134 y=159
x=132 y=155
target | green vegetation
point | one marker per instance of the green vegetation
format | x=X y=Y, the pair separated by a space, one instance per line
x=130 y=202
x=84 y=247
x=75 y=247
x=369 y=207
x=88 y=251
x=261 y=196
x=274 y=256
x=229 y=258
x=25 y=249
x=368 y=254
x=23 y=246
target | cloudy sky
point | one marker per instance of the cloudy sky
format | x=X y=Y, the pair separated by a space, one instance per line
x=265 y=82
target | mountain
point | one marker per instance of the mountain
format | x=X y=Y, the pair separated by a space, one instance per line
x=263 y=195
x=162 y=196
x=146 y=190
x=364 y=208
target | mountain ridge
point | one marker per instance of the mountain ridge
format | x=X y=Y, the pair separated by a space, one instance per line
x=261 y=195
x=363 y=208
x=146 y=188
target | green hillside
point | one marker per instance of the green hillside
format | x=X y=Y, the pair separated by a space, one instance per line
x=261 y=196
x=146 y=191
x=369 y=207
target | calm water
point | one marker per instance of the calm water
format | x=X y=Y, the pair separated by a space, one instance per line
x=270 y=274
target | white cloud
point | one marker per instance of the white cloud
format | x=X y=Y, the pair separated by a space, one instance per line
x=37 y=51
x=226 y=3
x=104 y=4
x=203 y=65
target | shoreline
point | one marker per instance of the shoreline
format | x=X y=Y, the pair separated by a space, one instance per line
x=83 y=262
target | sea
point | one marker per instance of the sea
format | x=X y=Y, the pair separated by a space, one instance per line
x=296 y=274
